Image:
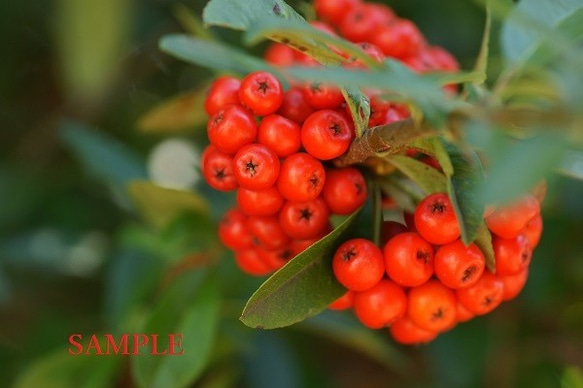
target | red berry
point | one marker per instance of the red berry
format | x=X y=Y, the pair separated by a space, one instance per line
x=369 y=49
x=326 y=134
x=344 y=302
x=333 y=10
x=218 y=171
x=275 y=258
x=322 y=96
x=231 y=128
x=358 y=264
x=249 y=261
x=267 y=232
x=294 y=106
x=400 y=39
x=533 y=231
x=458 y=265
x=484 y=296
x=432 y=306
x=280 y=55
x=380 y=305
x=408 y=259
x=233 y=230
x=390 y=229
x=509 y=220
x=345 y=190
x=435 y=219
x=405 y=332
x=224 y=91
x=361 y=22
x=261 y=92
x=265 y=202
x=280 y=134
x=298 y=246
x=513 y=284
x=512 y=255
x=304 y=220
x=462 y=313
x=301 y=178
x=256 y=167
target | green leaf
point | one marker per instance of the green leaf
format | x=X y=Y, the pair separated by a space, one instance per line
x=433 y=146
x=160 y=205
x=240 y=15
x=191 y=22
x=533 y=22
x=484 y=242
x=59 y=369
x=572 y=377
x=481 y=65
x=176 y=114
x=347 y=330
x=102 y=155
x=428 y=178
x=188 y=308
x=461 y=188
x=376 y=201
x=572 y=165
x=302 y=288
x=214 y=55
x=359 y=106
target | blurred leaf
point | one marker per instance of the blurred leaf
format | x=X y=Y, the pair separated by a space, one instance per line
x=404 y=192
x=176 y=114
x=481 y=65
x=572 y=165
x=433 y=146
x=517 y=166
x=533 y=21
x=241 y=15
x=90 y=37
x=348 y=331
x=572 y=377
x=188 y=308
x=191 y=22
x=102 y=155
x=484 y=242
x=428 y=178
x=214 y=55
x=461 y=188
x=160 y=205
x=359 y=106
x=62 y=370
x=302 y=288
x=376 y=204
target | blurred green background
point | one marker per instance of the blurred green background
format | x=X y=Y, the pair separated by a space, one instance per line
x=76 y=257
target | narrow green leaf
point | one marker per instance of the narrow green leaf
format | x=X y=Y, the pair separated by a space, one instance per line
x=303 y=287
x=213 y=55
x=481 y=65
x=191 y=22
x=192 y=310
x=572 y=165
x=428 y=178
x=241 y=15
x=484 y=242
x=433 y=146
x=359 y=106
x=160 y=205
x=377 y=211
x=403 y=191
x=462 y=190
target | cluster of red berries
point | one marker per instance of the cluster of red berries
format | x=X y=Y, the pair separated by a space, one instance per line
x=425 y=280
x=271 y=146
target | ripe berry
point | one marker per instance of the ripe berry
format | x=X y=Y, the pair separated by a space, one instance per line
x=361 y=22
x=508 y=221
x=435 y=219
x=358 y=264
x=462 y=313
x=345 y=190
x=458 y=265
x=322 y=96
x=304 y=220
x=294 y=106
x=432 y=306
x=298 y=246
x=326 y=134
x=265 y=202
x=380 y=305
x=333 y=10
x=513 y=284
x=533 y=231
x=280 y=134
x=344 y=302
x=224 y=91
x=400 y=39
x=233 y=230
x=249 y=261
x=267 y=232
x=405 y=332
x=275 y=258
x=261 y=92
x=390 y=229
x=512 y=254
x=484 y=296
x=231 y=128
x=369 y=49
x=408 y=259
x=218 y=171
x=256 y=167
x=301 y=178
x=280 y=55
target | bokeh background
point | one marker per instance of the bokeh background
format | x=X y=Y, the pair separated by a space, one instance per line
x=75 y=256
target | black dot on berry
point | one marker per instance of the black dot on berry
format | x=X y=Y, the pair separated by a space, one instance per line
x=315 y=87
x=263 y=86
x=305 y=214
x=335 y=127
x=469 y=273
x=437 y=315
x=488 y=300
x=437 y=207
x=422 y=256
x=251 y=167
x=220 y=174
x=524 y=256
x=314 y=180
x=349 y=254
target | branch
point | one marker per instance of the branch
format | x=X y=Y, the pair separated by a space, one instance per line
x=385 y=139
